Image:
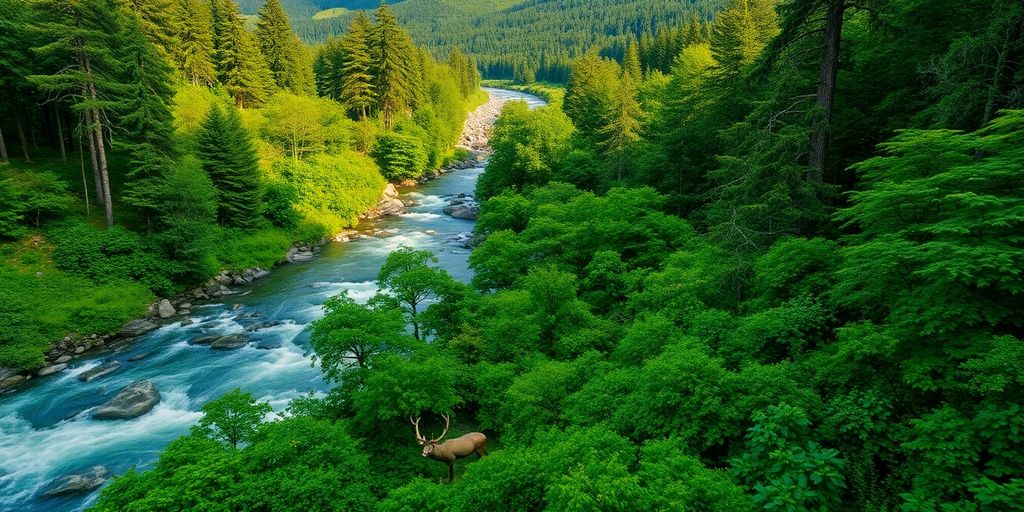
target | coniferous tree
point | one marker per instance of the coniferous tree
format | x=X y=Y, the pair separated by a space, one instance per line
x=395 y=67
x=328 y=67
x=161 y=22
x=145 y=118
x=194 y=55
x=357 y=87
x=240 y=65
x=80 y=35
x=622 y=129
x=229 y=158
x=631 y=62
x=279 y=46
x=591 y=92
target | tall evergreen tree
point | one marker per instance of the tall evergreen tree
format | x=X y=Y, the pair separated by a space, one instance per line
x=229 y=158
x=278 y=45
x=591 y=92
x=194 y=55
x=80 y=35
x=240 y=65
x=357 y=86
x=622 y=130
x=145 y=118
x=328 y=68
x=631 y=62
x=395 y=67
x=161 y=22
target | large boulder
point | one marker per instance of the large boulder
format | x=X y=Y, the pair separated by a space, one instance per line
x=390 y=206
x=465 y=210
x=99 y=371
x=136 y=328
x=165 y=309
x=50 y=370
x=204 y=340
x=231 y=342
x=131 y=402
x=77 y=483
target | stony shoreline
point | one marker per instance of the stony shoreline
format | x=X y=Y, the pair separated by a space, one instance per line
x=475 y=138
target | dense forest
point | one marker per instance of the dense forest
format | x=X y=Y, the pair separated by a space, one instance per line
x=768 y=258
x=515 y=39
x=148 y=145
x=783 y=272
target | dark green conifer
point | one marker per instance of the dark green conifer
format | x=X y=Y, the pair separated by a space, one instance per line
x=229 y=157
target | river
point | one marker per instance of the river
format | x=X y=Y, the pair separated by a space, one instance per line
x=46 y=429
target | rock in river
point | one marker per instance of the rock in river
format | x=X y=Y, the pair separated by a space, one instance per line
x=165 y=309
x=99 y=371
x=131 y=402
x=230 y=342
x=50 y=370
x=78 y=483
x=204 y=340
x=136 y=328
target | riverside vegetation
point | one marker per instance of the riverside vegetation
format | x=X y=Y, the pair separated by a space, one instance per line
x=782 y=273
x=160 y=142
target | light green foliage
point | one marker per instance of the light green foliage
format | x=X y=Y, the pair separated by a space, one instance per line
x=351 y=335
x=410 y=278
x=528 y=146
x=293 y=464
x=239 y=249
x=333 y=190
x=232 y=419
x=301 y=126
x=400 y=156
x=38 y=310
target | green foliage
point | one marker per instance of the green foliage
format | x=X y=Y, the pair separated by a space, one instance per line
x=228 y=156
x=350 y=335
x=400 y=156
x=39 y=309
x=788 y=470
x=232 y=419
x=528 y=146
x=110 y=255
x=333 y=190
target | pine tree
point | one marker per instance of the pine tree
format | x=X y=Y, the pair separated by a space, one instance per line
x=631 y=62
x=328 y=69
x=145 y=118
x=194 y=56
x=622 y=130
x=395 y=67
x=229 y=158
x=161 y=22
x=279 y=46
x=81 y=37
x=240 y=65
x=590 y=95
x=357 y=87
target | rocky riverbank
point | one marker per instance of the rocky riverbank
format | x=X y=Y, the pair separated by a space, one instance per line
x=475 y=138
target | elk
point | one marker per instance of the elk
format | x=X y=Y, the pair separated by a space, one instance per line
x=452 y=449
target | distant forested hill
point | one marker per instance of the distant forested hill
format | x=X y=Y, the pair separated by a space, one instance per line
x=522 y=39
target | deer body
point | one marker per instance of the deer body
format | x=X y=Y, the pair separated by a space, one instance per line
x=452 y=449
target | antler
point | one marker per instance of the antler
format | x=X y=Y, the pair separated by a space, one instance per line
x=416 y=424
x=447 y=422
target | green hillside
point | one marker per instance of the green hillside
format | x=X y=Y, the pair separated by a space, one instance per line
x=520 y=39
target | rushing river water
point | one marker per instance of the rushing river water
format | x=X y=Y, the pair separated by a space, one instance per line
x=46 y=429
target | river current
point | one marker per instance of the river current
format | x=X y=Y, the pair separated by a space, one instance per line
x=46 y=429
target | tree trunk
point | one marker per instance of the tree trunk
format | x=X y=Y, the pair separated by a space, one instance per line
x=21 y=136
x=821 y=127
x=97 y=181
x=85 y=183
x=3 y=149
x=108 y=207
x=60 y=136
x=997 y=75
